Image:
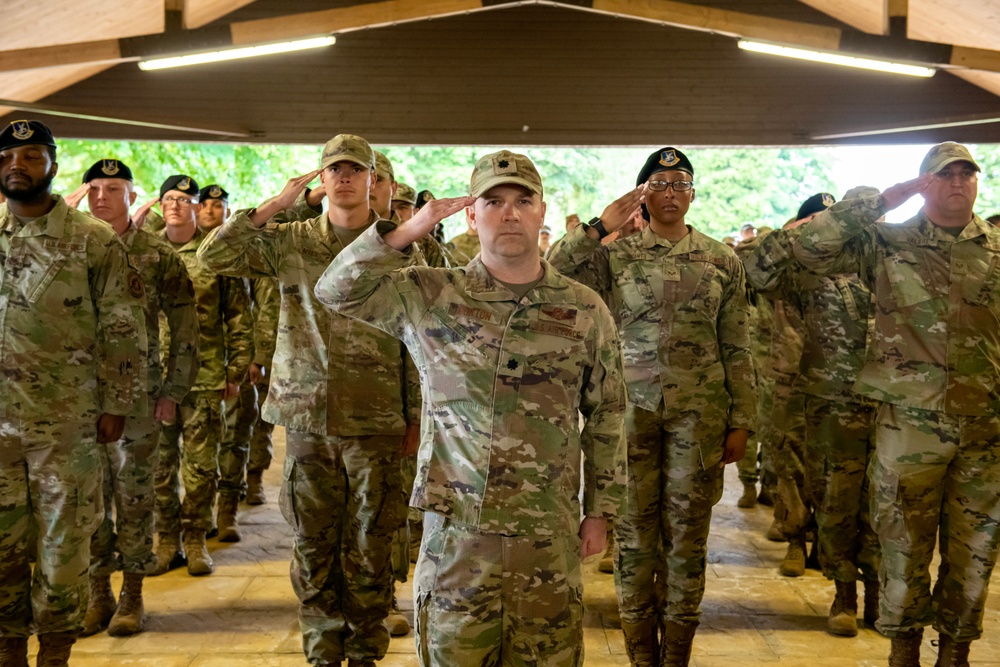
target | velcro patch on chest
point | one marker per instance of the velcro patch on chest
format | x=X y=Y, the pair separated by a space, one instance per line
x=478 y=314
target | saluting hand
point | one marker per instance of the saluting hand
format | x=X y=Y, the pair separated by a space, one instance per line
x=422 y=224
x=895 y=195
x=75 y=197
x=139 y=217
x=620 y=210
x=283 y=199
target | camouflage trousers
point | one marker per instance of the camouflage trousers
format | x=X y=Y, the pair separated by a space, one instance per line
x=199 y=421
x=760 y=441
x=935 y=472
x=50 y=477
x=496 y=599
x=674 y=480
x=343 y=497
x=794 y=509
x=839 y=445
x=126 y=526
x=239 y=415
x=261 y=445
x=401 y=538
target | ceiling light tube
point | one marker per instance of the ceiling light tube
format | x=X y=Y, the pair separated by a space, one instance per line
x=836 y=59
x=204 y=57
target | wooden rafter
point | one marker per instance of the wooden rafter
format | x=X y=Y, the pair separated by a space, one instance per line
x=202 y=12
x=870 y=16
x=967 y=23
x=106 y=52
x=33 y=85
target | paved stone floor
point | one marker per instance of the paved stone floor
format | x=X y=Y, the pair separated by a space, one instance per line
x=244 y=614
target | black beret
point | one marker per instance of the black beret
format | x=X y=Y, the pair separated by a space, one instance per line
x=665 y=159
x=213 y=192
x=26 y=133
x=423 y=197
x=108 y=168
x=180 y=182
x=815 y=204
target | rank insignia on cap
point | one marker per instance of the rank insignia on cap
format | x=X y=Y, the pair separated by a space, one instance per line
x=184 y=184
x=109 y=167
x=22 y=130
x=669 y=158
x=503 y=166
x=216 y=191
x=828 y=200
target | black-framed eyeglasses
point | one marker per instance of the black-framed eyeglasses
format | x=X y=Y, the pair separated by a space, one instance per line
x=678 y=186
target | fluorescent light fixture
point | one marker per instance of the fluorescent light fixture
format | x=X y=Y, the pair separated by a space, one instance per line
x=836 y=59
x=236 y=53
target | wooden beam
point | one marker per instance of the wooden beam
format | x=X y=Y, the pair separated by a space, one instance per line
x=34 y=24
x=898 y=8
x=981 y=59
x=107 y=51
x=33 y=85
x=358 y=17
x=989 y=81
x=915 y=126
x=202 y=12
x=974 y=24
x=871 y=16
x=732 y=24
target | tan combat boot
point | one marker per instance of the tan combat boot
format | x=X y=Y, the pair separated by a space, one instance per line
x=100 y=607
x=255 y=488
x=952 y=653
x=640 y=643
x=871 y=602
x=675 y=644
x=54 y=649
x=168 y=554
x=130 y=615
x=199 y=562
x=794 y=563
x=229 y=528
x=843 y=619
x=905 y=650
x=396 y=623
x=14 y=651
x=749 y=497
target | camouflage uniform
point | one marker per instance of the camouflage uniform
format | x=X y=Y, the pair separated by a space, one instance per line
x=498 y=470
x=130 y=463
x=933 y=362
x=63 y=272
x=224 y=350
x=836 y=311
x=466 y=245
x=267 y=304
x=684 y=319
x=339 y=387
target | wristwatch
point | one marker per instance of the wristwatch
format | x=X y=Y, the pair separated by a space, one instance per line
x=598 y=226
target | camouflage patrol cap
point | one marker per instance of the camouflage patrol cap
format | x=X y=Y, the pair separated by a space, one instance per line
x=348 y=147
x=817 y=203
x=502 y=168
x=665 y=159
x=108 y=168
x=213 y=191
x=405 y=193
x=26 y=133
x=181 y=183
x=940 y=156
x=423 y=197
x=383 y=167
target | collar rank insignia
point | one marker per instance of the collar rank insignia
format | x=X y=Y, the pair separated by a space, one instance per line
x=22 y=130
x=828 y=200
x=669 y=158
x=216 y=191
x=184 y=184
x=109 y=167
x=503 y=166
